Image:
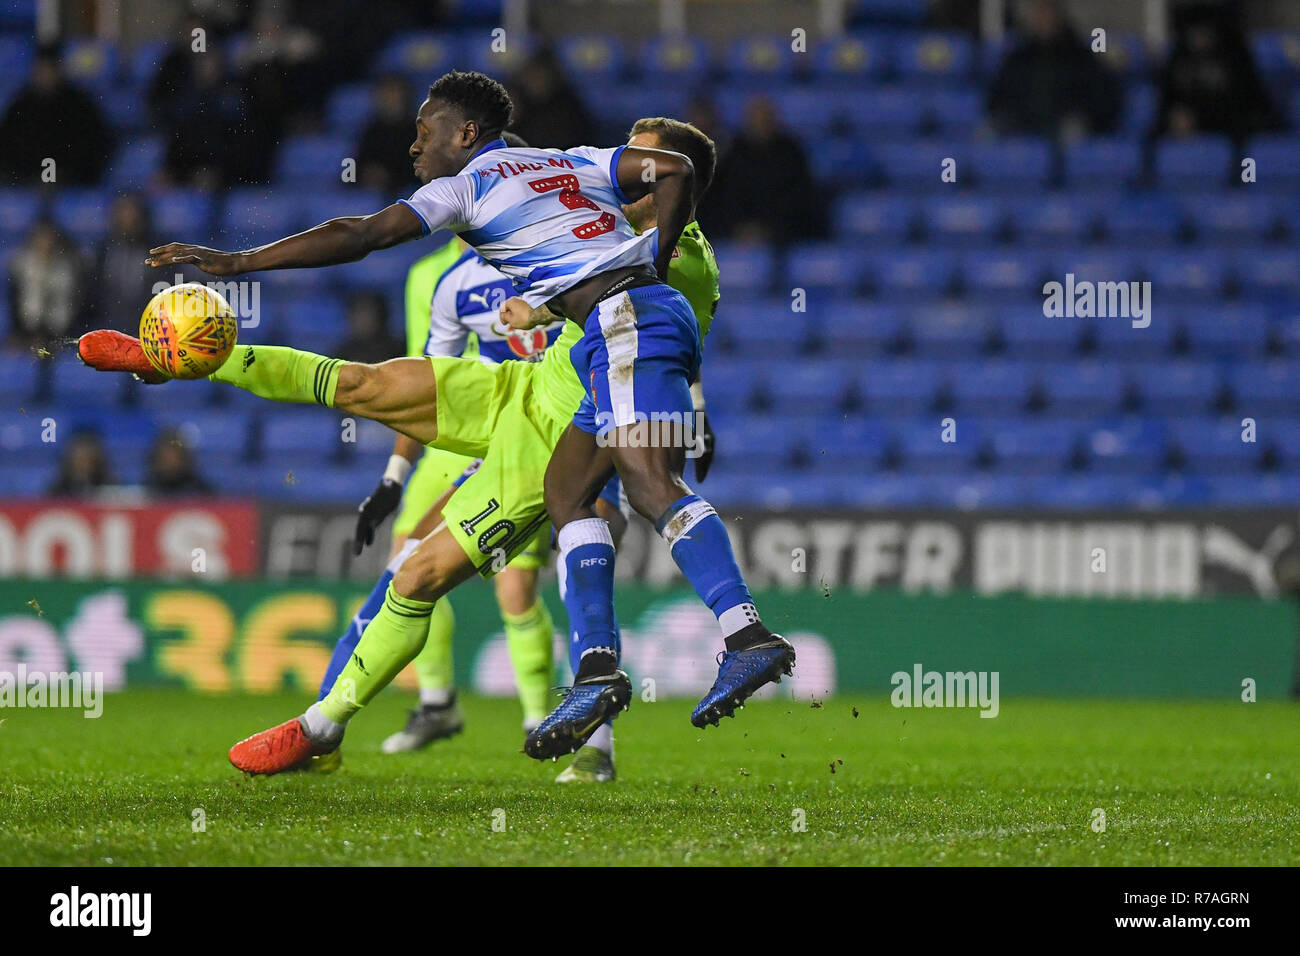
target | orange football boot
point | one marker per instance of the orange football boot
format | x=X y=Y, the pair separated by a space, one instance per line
x=273 y=751
x=110 y=351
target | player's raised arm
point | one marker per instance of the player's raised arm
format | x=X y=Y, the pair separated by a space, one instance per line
x=671 y=177
x=346 y=239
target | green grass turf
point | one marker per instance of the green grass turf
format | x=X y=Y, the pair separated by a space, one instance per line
x=1180 y=783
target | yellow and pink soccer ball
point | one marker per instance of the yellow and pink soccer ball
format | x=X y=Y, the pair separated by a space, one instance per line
x=188 y=331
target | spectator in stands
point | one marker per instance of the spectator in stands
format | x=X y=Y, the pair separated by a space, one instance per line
x=52 y=118
x=383 y=163
x=172 y=468
x=284 y=71
x=369 y=339
x=1209 y=83
x=1051 y=83
x=83 y=468
x=215 y=138
x=548 y=110
x=123 y=283
x=45 y=277
x=764 y=186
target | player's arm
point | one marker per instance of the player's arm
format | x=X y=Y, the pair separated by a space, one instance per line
x=346 y=239
x=671 y=177
x=383 y=501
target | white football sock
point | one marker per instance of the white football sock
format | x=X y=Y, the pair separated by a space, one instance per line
x=320 y=729
x=603 y=738
x=436 y=696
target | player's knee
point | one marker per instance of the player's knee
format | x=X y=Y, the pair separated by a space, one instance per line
x=358 y=384
x=420 y=578
x=650 y=490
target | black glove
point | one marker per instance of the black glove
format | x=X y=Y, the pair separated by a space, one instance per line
x=381 y=502
x=704 y=442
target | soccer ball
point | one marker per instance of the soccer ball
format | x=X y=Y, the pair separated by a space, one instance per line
x=188 y=331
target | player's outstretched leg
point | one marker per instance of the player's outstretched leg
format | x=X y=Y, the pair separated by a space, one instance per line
x=388 y=643
x=400 y=393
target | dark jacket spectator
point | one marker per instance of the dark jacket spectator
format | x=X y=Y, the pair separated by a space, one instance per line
x=369 y=339
x=1209 y=83
x=45 y=283
x=172 y=468
x=1051 y=83
x=548 y=110
x=763 y=190
x=123 y=283
x=51 y=118
x=84 y=467
x=383 y=160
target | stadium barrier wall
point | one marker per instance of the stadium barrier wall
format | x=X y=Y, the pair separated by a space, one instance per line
x=256 y=637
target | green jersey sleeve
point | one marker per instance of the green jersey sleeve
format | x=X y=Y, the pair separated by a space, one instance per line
x=694 y=273
x=421 y=280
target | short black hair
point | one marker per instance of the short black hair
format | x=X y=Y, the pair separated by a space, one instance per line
x=478 y=97
x=686 y=139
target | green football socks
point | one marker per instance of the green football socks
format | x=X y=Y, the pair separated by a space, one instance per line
x=281 y=374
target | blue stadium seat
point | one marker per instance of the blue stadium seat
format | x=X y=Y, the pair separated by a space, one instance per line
x=955 y=110
x=1213 y=446
x=164 y=401
x=182 y=212
x=92 y=63
x=1201 y=161
x=345 y=201
x=884 y=492
x=681 y=60
x=775 y=439
x=1081 y=492
x=836 y=162
x=1266 y=388
x=135 y=162
x=19 y=373
x=1115 y=162
x=883 y=111
x=826 y=266
x=815 y=384
x=1004 y=275
x=855 y=58
x=1129 y=444
x=1172 y=490
x=419 y=55
x=849 y=442
x=876 y=217
x=735 y=386
x=1100 y=265
x=1225 y=331
x=593 y=59
x=1118 y=338
x=1027 y=333
x=18 y=210
x=903 y=13
x=1274 y=156
x=1053 y=217
x=315 y=161
x=82 y=213
x=744 y=268
x=763 y=328
x=918 y=163
x=78 y=387
x=1126 y=53
x=302 y=438
x=1141 y=100
x=933 y=56
x=1184 y=387
x=1282 y=436
x=16 y=53
x=26 y=479
x=976 y=491
x=899 y=386
x=314 y=319
x=349 y=109
x=1267 y=271
x=962 y=217
x=856 y=327
x=1187 y=274
x=949 y=329
x=146 y=58
x=1255 y=490
x=760 y=57
x=1142 y=217
x=1082 y=388
x=256 y=214
x=990 y=387
x=921 y=446
x=1234 y=217
x=303 y=482
x=1016 y=163
x=1276 y=53
x=912 y=273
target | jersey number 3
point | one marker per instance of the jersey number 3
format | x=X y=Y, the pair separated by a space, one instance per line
x=572 y=198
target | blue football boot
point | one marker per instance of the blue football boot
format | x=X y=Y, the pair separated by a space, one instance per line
x=588 y=704
x=741 y=673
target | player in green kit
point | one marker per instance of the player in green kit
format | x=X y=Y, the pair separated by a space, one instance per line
x=511 y=415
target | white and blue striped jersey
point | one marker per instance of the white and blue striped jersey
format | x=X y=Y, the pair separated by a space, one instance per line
x=547 y=218
x=468 y=298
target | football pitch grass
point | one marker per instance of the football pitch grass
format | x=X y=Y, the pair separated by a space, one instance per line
x=1180 y=783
